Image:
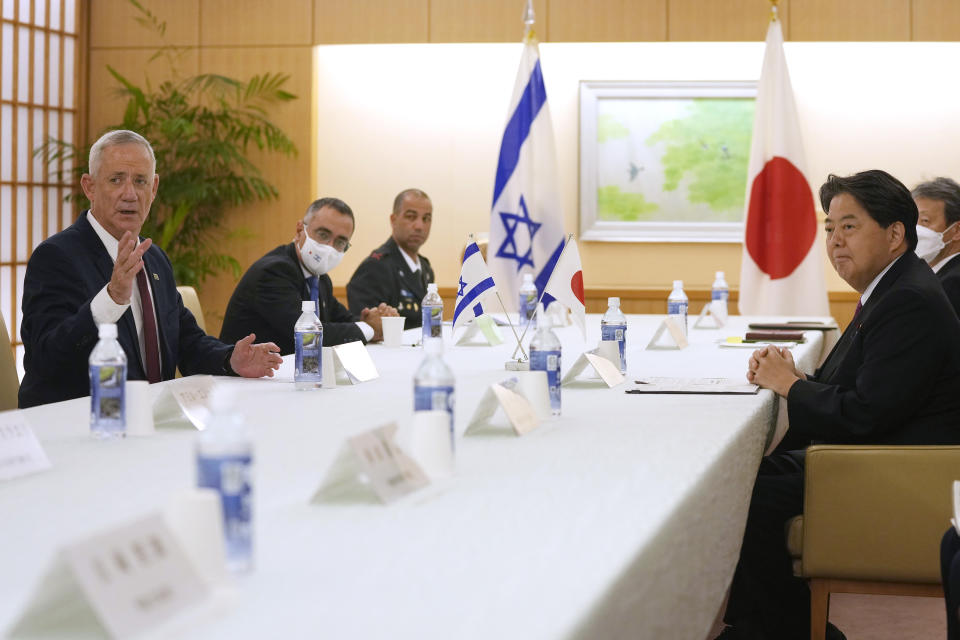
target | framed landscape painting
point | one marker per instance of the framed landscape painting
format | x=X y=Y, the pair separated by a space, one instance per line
x=664 y=161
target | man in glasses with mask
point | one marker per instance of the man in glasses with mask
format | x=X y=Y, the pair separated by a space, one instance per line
x=938 y=232
x=268 y=298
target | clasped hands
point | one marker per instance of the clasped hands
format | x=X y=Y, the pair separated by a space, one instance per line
x=773 y=368
x=372 y=315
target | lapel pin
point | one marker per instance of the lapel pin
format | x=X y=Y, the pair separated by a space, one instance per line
x=156 y=277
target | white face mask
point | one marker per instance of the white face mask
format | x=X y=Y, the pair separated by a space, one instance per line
x=930 y=243
x=319 y=258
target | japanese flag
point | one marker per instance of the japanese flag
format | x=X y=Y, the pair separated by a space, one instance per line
x=566 y=284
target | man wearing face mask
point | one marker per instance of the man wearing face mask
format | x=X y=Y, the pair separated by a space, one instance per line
x=938 y=232
x=268 y=298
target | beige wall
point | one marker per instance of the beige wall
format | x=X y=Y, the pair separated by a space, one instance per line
x=243 y=37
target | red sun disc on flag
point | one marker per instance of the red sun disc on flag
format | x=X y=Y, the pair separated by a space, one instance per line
x=781 y=225
x=576 y=284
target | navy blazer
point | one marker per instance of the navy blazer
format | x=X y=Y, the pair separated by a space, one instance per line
x=64 y=274
x=894 y=375
x=267 y=302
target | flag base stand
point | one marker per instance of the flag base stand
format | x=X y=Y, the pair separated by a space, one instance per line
x=517 y=365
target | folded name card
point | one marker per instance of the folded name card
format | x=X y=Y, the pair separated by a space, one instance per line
x=669 y=335
x=371 y=465
x=608 y=372
x=712 y=316
x=20 y=451
x=482 y=330
x=130 y=579
x=184 y=401
x=354 y=360
x=519 y=411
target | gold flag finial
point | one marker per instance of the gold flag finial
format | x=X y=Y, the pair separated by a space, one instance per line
x=528 y=19
x=773 y=10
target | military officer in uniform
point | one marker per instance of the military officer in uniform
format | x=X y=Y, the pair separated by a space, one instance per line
x=395 y=273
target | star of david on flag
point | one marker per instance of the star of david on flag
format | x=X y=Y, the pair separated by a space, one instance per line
x=474 y=285
x=526 y=222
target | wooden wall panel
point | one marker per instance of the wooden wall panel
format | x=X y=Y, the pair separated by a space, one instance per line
x=607 y=21
x=112 y=23
x=483 y=20
x=272 y=222
x=370 y=21
x=853 y=20
x=736 y=20
x=247 y=23
x=105 y=106
x=936 y=20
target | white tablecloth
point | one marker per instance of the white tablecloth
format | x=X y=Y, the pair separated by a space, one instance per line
x=622 y=518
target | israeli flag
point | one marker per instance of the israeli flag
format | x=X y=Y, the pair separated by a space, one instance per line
x=526 y=223
x=475 y=283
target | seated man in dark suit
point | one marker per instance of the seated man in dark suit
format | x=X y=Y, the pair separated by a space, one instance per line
x=268 y=298
x=950 y=575
x=939 y=232
x=892 y=378
x=395 y=272
x=98 y=271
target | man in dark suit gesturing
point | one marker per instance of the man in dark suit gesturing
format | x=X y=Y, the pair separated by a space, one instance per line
x=892 y=378
x=99 y=271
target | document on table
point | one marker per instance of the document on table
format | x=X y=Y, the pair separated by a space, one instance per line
x=723 y=386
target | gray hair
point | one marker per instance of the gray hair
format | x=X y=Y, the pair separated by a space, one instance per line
x=114 y=139
x=944 y=190
x=398 y=201
x=334 y=203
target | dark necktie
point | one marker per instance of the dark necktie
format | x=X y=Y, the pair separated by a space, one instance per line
x=314 y=283
x=150 y=340
x=856 y=314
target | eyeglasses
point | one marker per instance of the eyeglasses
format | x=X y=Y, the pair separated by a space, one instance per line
x=324 y=236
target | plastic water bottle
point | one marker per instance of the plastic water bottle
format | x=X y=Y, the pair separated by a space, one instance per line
x=432 y=308
x=108 y=379
x=433 y=383
x=719 y=295
x=308 y=349
x=225 y=464
x=613 y=326
x=528 y=300
x=545 y=356
x=677 y=305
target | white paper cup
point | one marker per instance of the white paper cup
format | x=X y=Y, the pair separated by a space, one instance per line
x=328 y=369
x=532 y=385
x=430 y=443
x=610 y=349
x=195 y=517
x=392 y=330
x=139 y=408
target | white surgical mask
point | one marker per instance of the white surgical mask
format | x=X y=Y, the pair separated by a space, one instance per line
x=929 y=243
x=319 y=258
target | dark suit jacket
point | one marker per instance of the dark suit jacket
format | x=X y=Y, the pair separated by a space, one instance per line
x=894 y=375
x=384 y=276
x=949 y=276
x=63 y=275
x=267 y=302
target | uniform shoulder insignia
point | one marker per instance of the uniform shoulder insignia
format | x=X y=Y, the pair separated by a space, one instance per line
x=375 y=255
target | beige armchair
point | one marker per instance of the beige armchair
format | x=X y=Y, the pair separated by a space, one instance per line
x=872 y=521
x=9 y=381
x=192 y=301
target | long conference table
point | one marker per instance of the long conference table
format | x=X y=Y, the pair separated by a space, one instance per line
x=620 y=519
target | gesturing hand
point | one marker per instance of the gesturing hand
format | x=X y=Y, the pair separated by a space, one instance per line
x=255 y=360
x=125 y=269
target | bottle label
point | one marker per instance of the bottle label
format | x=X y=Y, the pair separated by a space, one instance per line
x=435 y=398
x=308 y=361
x=720 y=294
x=617 y=332
x=230 y=476
x=548 y=361
x=108 y=412
x=432 y=321
x=528 y=306
x=678 y=309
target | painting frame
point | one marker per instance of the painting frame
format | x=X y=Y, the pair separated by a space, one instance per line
x=592 y=228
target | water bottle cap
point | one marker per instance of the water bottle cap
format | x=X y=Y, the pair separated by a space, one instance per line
x=308 y=305
x=107 y=330
x=613 y=301
x=432 y=287
x=719 y=275
x=678 y=284
x=527 y=277
x=433 y=346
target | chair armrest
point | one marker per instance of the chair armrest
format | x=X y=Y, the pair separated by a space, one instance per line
x=877 y=512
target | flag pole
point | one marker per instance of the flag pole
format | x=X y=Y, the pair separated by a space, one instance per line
x=514 y=329
x=773 y=10
x=540 y=299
